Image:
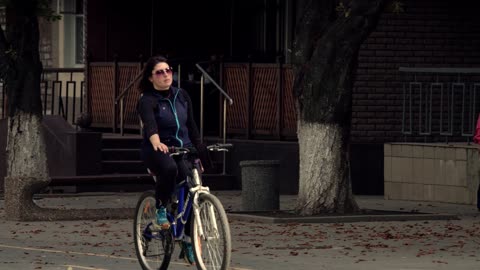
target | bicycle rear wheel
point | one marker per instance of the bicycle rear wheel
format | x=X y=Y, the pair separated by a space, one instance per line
x=153 y=248
x=211 y=239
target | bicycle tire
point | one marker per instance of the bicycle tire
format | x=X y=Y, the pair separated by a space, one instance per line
x=216 y=236
x=161 y=241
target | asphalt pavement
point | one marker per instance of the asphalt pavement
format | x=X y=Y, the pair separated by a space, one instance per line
x=409 y=235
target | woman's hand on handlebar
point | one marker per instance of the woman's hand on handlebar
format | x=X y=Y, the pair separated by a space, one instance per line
x=160 y=147
x=157 y=145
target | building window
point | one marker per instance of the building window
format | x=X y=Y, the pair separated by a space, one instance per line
x=2 y=17
x=73 y=32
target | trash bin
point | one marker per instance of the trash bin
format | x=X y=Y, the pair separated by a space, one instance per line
x=260 y=185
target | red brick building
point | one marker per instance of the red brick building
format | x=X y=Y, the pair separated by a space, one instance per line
x=435 y=34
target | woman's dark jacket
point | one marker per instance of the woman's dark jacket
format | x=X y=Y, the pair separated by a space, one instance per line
x=171 y=117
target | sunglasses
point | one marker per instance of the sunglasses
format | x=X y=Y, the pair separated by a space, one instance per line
x=161 y=72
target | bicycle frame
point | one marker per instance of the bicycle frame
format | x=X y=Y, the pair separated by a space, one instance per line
x=210 y=235
x=186 y=202
x=184 y=207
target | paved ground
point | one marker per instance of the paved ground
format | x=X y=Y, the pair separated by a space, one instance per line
x=107 y=244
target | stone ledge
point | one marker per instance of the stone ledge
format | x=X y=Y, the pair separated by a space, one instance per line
x=339 y=218
x=431 y=172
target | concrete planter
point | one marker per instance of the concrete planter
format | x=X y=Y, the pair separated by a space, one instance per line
x=260 y=185
x=432 y=172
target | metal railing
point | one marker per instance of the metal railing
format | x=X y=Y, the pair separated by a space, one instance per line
x=62 y=93
x=121 y=98
x=225 y=98
x=440 y=102
x=3 y=101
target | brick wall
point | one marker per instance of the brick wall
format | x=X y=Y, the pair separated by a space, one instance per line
x=428 y=34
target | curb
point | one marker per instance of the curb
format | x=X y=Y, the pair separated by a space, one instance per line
x=39 y=196
x=341 y=219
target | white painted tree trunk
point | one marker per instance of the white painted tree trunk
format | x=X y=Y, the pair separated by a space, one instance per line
x=324 y=55
x=27 y=169
x=26 y=156
x=324 y=170
x=27 y=174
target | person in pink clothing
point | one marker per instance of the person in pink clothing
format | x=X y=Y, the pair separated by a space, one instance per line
x=476 y=139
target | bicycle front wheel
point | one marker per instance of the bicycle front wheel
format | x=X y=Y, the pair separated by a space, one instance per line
x=153 y=247
x=211 y=238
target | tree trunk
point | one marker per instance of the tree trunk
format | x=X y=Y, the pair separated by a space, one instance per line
x=26 y=164
x=324 y=170
x=27 y=175
x=27 y=170
x=325 y=51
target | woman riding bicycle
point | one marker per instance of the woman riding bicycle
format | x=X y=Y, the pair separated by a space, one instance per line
x=167 y=115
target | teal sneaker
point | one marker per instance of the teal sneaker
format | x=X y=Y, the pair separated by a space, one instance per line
x=187 y=252
x=161 y=222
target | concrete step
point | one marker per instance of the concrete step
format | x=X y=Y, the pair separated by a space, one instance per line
x=120 y=154
x=101 y=179
x=131 y=182
x=102 y=183
x=127 y=142
x=123 y=167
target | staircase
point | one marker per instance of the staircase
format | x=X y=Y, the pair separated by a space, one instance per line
x=123 y=170
x=121 y=155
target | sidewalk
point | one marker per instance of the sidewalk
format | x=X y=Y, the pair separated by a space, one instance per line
x=232 y=201
x=374 y=208
x=108 y=244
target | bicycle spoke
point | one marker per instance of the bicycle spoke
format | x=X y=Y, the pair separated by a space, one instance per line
x=213 y=247
x=208 y=217
x=153 y=248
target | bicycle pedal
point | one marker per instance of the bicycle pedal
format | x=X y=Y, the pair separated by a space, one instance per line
x=160 y=227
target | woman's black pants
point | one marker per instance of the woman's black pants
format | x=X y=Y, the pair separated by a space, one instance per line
x=167 y=170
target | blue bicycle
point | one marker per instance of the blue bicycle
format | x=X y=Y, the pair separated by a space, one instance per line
x=211 y=240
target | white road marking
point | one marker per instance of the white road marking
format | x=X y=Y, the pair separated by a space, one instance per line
x=93 y=254
x=73 y=267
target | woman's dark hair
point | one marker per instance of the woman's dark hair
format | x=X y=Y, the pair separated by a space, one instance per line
x=145 y=83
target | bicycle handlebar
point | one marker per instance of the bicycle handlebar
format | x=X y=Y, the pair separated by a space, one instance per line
x=218 y=147
x=175 y=151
